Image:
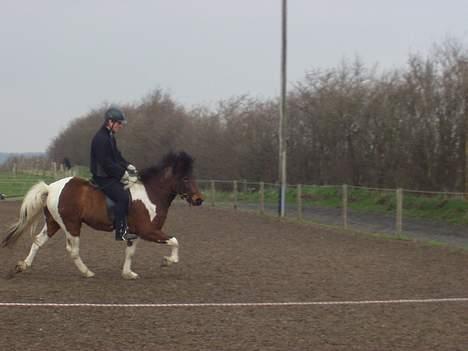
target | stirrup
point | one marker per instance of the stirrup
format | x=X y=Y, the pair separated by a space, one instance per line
x=124 y=235
x=129 y=236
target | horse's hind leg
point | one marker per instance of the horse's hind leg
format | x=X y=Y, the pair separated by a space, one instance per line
x=73 y=247
x=49 y=229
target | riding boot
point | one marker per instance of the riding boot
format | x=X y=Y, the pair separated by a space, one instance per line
x=121 y=231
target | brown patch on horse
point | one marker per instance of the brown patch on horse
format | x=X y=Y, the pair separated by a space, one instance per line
x=139 y=221
x=81 y=202
x=52 y=225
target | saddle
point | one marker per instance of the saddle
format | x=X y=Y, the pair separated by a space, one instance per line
x=110 y=204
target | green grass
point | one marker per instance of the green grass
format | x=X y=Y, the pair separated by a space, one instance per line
x=82 y=171
x=17 y=185
x=438 y=207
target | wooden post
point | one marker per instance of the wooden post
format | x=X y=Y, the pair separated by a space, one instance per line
x=234 y=194
x=262 y=197
x=399 y=211
x=464 y=71
x=345 y=205
x=283 y=117
x=299 y=202
x=213 y=193
x=54 y=169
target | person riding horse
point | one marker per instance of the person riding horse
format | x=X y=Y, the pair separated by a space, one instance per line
x=111 y=172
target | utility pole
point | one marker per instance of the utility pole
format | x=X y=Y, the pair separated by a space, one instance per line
x=283 y=135
x=464 y=67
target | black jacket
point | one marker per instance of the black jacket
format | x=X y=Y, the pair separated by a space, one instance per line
x=106 y=160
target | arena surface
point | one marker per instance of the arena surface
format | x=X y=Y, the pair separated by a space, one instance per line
x=236 y=257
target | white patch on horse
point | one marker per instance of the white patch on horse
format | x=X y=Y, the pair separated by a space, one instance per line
x=138 y=192
x=72 y=243
x=55 y=189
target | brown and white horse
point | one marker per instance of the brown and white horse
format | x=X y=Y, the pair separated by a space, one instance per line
x=69 y=202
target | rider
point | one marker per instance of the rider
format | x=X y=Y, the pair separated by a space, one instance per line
x=111 y=172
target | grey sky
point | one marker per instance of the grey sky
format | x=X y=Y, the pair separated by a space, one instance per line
x=61 y=58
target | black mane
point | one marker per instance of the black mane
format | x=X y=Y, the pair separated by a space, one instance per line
x=180 y=162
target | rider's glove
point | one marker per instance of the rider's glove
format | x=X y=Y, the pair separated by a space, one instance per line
x=128 y=179
x=132 y=171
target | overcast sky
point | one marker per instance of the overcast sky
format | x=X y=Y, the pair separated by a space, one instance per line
x=59 y=59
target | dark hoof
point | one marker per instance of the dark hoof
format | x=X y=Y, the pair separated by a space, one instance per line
x=11 y=274
x=164 y=263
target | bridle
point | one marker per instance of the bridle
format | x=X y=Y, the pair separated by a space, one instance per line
x=184 y=195
x=187 y=195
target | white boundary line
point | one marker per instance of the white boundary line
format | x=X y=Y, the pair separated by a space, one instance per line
x=240 y=304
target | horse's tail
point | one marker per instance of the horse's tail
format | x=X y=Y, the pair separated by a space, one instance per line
x=31 y=208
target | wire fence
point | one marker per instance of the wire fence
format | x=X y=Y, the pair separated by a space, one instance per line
x=436 y=216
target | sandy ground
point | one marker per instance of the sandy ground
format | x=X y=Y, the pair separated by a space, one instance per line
x=229 y=256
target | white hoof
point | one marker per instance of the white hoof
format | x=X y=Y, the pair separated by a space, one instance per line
x=21 y=266
x=88 y=274
x=130 y=275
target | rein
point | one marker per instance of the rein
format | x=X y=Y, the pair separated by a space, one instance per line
x=183 y=196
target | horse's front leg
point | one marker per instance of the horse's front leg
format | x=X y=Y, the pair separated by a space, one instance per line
x=127 y=272
x=159 y=237
x=174 y=257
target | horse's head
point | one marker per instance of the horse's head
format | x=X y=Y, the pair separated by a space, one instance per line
x=188 y=190
x=185 y=183
x=175 y=172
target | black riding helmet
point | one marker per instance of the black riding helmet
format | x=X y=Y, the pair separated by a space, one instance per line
x=115 y=114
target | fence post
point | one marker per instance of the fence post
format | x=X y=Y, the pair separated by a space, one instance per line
x=54 y=169
x=262 y=197
x=345 y=205
x=244 y=185
x=213 y=193
x=299 y=201
x=234 y=193
x=399 y=211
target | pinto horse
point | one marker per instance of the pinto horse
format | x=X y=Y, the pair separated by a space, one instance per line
x=69 y=202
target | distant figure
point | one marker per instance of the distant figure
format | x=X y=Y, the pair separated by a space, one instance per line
x=111 y=172
x=66 y=163
x=2 y=196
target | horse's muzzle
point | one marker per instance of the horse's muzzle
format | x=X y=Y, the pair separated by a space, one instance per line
x=195 y=200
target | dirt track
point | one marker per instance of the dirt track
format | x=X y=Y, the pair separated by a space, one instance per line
x=237 y=257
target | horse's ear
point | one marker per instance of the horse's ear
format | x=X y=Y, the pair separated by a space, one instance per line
x=168 y=173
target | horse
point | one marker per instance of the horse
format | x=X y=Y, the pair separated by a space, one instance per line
x=69 y=202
